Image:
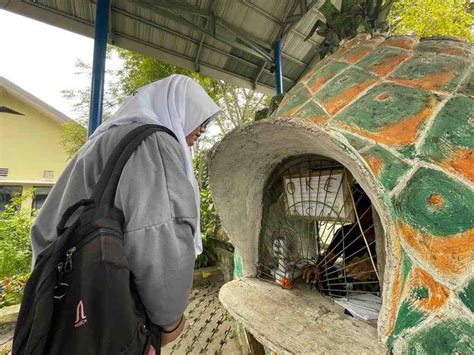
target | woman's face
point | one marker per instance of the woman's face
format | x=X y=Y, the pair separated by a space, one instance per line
x=194 y=135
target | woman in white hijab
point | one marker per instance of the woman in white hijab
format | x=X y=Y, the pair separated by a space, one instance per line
x=157 y=193
x=177 y=103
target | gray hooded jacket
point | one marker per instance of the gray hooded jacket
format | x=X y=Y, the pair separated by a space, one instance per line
x=157 y=200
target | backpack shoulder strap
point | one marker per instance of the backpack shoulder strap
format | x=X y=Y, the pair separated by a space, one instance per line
x=104 y=191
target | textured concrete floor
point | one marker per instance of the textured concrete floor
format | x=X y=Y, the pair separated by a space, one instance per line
x=209 y=329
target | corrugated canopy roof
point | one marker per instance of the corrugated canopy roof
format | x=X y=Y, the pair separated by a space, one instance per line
x=230 y=40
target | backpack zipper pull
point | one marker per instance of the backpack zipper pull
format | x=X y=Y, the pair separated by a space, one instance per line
x=68 y=263
x=60 y=268
x=59 y=283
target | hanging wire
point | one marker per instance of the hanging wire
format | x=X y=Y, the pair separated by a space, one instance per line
x=365 y=240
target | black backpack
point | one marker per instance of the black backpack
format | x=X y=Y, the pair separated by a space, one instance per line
x=80 y=298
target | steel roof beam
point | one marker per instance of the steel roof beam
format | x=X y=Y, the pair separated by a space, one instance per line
x=263 y=53
x=240 y=35
x=198 y=54
x=195 y=42
x=111 y=25
x=176 y=5
x=151 y=23
x=212 y=23
x=255 y=81
x=303 y=6
x=249 y=43
x=163 y=49
x=211 y=28
x=277 y=20
x=162 y=28
x=182 y=36
x=292 y=16
x=227 y=40
x=203 y=36
x=292 y=20
x=261 y=11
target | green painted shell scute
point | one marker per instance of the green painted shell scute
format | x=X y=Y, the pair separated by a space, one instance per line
x=433 y=202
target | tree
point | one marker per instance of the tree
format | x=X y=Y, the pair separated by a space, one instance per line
x=238 y=104
x=418 y=17
x=211 y=231
x=349 y=19
x=432 y=18
x=15 y=249
x=73 y=137
x=74 y=134
x=139 y=70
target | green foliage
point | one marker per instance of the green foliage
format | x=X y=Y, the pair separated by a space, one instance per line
x=208 y=257
x=210 y=224
x=80 y=98
x=238 y=104
x=139 y=70
x=272 y=105
x=15 y=249
x=354 y=16
x=12 y=289
x=73 y=137
x=74 y=134
x=419 y=17
x=432 y=18
x=209 y=219
x=238 y=107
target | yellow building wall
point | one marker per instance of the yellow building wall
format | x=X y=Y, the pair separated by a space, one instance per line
x=29 y=145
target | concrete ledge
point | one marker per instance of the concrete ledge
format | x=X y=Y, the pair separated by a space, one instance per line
x=295 y=321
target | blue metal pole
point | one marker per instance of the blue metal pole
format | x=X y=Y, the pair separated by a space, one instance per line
x=278 y=71
x=98 y=65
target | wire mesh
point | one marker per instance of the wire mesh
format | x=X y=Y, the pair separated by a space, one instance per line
x=318 y=231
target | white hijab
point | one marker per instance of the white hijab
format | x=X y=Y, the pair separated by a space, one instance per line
x=178 y=103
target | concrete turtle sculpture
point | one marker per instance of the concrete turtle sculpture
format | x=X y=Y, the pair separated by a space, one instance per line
x=398 y=112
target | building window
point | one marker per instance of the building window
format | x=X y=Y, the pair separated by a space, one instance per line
x=48 y=175
x=41 y=193
x=3 y=172
x=6 y=194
